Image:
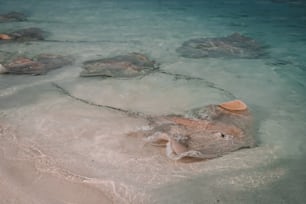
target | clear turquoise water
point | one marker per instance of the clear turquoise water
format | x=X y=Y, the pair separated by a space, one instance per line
x=91 y=143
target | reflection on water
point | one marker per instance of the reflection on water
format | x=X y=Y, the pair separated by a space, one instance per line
x=56 y=149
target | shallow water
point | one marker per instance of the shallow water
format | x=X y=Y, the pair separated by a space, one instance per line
x=49 y=141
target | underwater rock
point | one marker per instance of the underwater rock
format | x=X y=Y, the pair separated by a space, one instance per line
x=27 y=34
x=41 y=64
x=203 y=133
x=129 y=65
x=12 y=16
x=233 y=46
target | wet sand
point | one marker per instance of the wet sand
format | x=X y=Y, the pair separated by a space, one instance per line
x=55 y=149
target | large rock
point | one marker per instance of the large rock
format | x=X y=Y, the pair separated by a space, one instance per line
x=129 y=65
x=233 y=46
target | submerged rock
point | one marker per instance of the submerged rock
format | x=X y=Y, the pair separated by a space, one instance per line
x=27 y=34
x=234 y=46
x=12 y=16
x=129 y=65
x=203 y=133
x=41 y=64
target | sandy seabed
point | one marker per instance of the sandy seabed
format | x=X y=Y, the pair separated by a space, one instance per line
x=54 y=149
